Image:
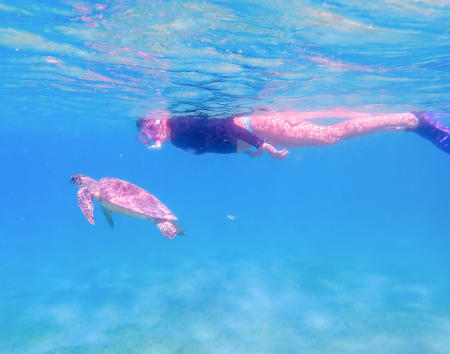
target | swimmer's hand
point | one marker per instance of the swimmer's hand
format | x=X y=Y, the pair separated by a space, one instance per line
x=274 y=153
x=155 y=146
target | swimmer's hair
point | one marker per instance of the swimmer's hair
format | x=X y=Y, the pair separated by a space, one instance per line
x=144 y=122
x=140 y=123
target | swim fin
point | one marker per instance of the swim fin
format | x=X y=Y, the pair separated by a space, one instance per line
x=432 y=130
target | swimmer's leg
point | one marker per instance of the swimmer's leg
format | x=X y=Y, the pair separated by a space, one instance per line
x=432 y=130
x=291 y=130
x=382 y=122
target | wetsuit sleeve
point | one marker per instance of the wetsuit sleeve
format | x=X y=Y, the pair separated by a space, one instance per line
x=244 y=135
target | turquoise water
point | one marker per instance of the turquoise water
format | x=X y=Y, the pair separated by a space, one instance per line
x=338 y=249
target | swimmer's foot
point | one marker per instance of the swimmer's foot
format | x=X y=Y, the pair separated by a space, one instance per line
x=432 y=130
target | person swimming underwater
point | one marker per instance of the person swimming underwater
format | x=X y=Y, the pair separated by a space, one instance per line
x=286 y=129
x=203 y=135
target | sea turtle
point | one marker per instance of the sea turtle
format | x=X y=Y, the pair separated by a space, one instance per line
x=115 y=195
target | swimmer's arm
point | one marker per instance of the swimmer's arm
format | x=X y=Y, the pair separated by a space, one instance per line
x=270 y=149
x=252 y=139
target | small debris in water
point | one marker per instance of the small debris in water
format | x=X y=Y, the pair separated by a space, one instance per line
x=52 y=60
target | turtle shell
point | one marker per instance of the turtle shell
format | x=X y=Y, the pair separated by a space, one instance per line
x=133 y=198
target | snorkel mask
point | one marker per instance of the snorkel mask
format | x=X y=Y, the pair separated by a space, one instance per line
x=149 y=130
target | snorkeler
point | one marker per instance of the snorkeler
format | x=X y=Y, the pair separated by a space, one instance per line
x=287 y=129
x=202 y=135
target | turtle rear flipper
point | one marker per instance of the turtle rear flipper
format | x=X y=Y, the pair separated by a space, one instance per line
x=167 y=228
x=86 y=204
x=180 y=230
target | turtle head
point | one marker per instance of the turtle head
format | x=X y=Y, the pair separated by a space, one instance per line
x=81 y=180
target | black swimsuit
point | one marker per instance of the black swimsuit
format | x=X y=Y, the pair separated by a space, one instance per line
x=202 y=135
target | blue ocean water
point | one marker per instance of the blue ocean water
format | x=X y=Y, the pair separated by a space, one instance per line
x=338 y=249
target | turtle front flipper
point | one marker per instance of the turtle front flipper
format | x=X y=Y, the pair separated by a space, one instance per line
x=86 y=203
x=108 y=217
x=167 y=228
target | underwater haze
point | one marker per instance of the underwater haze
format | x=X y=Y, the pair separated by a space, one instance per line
x=337 y=249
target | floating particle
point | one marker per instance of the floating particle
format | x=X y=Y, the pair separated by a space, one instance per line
x=52 y=60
